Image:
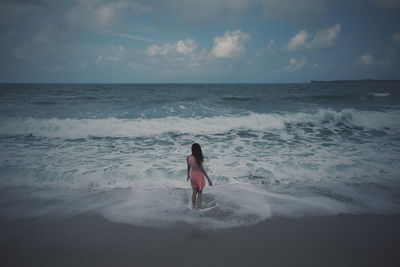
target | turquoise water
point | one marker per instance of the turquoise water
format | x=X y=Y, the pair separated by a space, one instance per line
x=271 y=150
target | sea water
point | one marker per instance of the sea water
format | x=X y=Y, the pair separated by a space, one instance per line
x=119 y=150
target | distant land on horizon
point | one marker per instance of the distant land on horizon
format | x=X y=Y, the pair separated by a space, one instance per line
x=356 y=81
x=311 y=81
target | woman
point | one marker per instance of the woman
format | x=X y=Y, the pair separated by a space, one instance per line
x=196 y=172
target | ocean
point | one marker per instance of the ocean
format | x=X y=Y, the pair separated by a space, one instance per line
x=119 y=151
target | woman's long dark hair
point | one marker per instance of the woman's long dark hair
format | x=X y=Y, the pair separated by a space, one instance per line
x=197 y=153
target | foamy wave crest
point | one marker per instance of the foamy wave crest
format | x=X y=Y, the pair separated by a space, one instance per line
x=81 y=128
x=369 y=120
x=379 y=94
x=113 y=127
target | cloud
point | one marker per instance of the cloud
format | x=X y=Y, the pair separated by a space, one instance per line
x=184 y=55
x=298 y=64
x=325 y=38
x=186 y=47
x=322 y=39
x=396 y=38
x=155 y=50
x=365 y=60
x=182 y=47
x=295 y=64
x=298 y=42
x=167 y=58
x=230 y=45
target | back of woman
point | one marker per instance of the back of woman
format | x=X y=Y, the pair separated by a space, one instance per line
x=196 y=173
x=194 y=166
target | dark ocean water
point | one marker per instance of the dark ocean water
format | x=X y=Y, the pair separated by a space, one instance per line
x=272 y=149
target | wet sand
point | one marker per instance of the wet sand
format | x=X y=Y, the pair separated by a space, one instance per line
x=90 y=240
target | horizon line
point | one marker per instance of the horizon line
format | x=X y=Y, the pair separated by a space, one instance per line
x=302 y=82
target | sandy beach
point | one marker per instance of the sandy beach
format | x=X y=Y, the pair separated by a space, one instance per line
x=90 y=240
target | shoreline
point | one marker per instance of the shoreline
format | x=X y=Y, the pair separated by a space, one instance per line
x=91 y=240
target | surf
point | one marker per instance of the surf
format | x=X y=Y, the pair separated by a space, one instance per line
x=140 y=127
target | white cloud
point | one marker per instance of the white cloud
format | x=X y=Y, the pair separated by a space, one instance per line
x=185 y=55
x=326 y=38
x=230 y=45
x=186 y=47
x=322 y=39
x=396 y=38
x=166 y=59
x=182 y=55
x=155 y=50
x=182 y=47
x=298 y=42
x=365 y=60
x=295 y=64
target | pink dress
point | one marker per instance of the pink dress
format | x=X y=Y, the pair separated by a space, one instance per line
x=196 y=174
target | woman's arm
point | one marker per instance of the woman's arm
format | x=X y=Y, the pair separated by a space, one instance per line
x=205 y=173
x=188 y=168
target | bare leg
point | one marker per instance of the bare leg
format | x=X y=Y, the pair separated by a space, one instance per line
x=194 y=197
x=199 y=198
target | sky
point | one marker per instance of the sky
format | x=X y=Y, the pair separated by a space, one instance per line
x=198 y=41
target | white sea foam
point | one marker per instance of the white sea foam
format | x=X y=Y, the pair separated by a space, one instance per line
x=113 y=127
x=234 y=204
x=148 y=187
x=283 y=166
x=379 y=94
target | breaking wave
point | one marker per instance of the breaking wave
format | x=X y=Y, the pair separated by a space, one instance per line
x=379 y=94
x=114 y=127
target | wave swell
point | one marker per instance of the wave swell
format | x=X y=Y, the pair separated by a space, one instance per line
x=114 y=127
